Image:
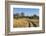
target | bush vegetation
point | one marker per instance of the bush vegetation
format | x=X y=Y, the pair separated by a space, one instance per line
x=17 y=15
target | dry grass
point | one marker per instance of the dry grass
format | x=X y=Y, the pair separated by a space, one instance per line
x=23 y=22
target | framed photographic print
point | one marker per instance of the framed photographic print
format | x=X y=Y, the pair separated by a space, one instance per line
x=24 y=17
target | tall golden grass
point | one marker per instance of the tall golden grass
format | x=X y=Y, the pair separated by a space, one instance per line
x=23 y=22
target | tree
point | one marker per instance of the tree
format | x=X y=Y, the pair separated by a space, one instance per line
x=22 y=14
x=35 y=15
x=17 y=14
x=14 y=15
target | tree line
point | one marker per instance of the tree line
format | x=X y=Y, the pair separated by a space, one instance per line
x=21 y=15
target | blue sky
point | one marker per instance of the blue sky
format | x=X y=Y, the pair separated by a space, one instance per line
x=26 y=11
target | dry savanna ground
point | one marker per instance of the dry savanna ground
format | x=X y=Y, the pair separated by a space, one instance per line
x=24 y=22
